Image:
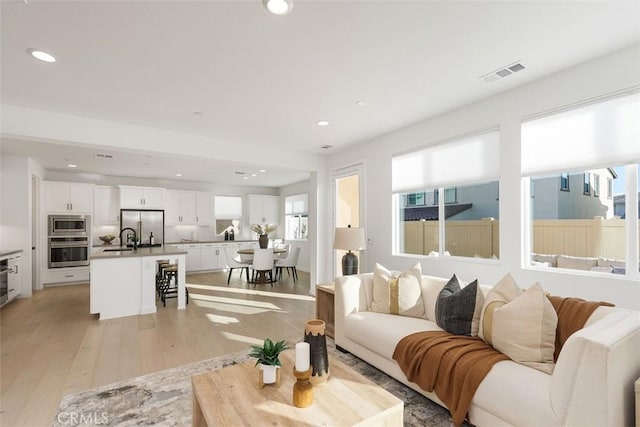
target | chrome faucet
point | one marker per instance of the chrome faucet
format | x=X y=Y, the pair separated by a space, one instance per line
x=135 y=237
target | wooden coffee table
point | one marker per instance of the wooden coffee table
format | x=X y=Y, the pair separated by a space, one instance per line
x=231 y=397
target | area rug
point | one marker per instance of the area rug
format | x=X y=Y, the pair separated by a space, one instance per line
x=164 y=397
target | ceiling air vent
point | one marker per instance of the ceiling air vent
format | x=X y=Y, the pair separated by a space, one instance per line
x=503 y=72
x=326 y=147
x=104 y=156
x=239 y=173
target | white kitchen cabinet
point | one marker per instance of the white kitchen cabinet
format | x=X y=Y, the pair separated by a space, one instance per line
x=181 y=208
x=194 y=256
x=68 y=197
x=209 y=256
x=106 y=205
x=65 y=275
x=15 y=276
x=141 y=197
x=204 y=211
x=263 y=209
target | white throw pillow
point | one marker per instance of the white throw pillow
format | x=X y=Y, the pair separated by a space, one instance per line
x=398 y=293
x=525 y=329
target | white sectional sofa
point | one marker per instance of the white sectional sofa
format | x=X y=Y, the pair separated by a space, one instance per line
x=592 y=383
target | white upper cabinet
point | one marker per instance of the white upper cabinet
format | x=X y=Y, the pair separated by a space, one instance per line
x=263 y=209
x=204 y=211
x=141 y=197
x=106 y=205
x=68 y=197
x=181 y=207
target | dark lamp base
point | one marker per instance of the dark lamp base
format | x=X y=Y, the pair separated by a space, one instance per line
x=349 y=264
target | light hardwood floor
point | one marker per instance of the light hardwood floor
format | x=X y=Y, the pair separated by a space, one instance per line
x=52 y=346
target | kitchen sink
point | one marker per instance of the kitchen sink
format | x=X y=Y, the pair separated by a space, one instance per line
x=117 y=250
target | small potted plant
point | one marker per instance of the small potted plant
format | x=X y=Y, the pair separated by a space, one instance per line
x=268 y=357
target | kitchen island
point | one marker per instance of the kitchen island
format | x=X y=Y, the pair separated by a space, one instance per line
x=123 y=280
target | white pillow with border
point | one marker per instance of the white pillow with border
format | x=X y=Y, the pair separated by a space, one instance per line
x=398 y=293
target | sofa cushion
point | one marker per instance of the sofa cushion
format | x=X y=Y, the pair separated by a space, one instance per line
x=525 y=329
x=503 y=292
x=398 y=293
x=458 y=309
x=576 y=263
x=380 y=332
x=551 y=259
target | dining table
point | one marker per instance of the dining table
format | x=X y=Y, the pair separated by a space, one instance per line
x=262 y=275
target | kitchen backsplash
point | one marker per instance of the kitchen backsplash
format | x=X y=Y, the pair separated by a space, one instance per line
x=175 y=233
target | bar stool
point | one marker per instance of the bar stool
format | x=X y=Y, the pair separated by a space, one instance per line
x=167 y=289
x=160 y=264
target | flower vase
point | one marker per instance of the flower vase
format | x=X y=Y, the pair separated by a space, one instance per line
x=314 y=334
x=263 y=241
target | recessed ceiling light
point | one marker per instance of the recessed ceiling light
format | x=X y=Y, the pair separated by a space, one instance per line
x=322 y=123
x=360 y=103
x=263 y=170
x=245 y=177
x=178 y=174
x=253 y=174
x=278 y=7
x=71 y=165
x=41 y=55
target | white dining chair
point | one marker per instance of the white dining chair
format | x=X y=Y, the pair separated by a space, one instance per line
x=233 y=262
x=289 y=263
x=262 y=266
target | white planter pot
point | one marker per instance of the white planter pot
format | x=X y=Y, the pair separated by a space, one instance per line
x=269 y=373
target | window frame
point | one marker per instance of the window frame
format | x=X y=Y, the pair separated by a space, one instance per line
x=564 y=178
x=586 y=184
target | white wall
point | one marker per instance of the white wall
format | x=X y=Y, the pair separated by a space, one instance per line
x=304 y=263
x=614 y=72
x=16 y=212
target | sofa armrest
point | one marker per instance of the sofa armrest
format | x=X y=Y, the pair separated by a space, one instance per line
x=593 y=379
x=352 y=294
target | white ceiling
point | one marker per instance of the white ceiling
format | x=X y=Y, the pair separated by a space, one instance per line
x=262 y=79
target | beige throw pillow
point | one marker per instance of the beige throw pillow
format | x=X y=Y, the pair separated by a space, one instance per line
x=504 y=291
x=398 y=293
x=525 y=329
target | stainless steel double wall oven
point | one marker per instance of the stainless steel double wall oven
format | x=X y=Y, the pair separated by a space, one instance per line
x=69 y=237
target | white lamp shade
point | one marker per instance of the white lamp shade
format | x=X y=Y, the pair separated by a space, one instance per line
x=349 y=238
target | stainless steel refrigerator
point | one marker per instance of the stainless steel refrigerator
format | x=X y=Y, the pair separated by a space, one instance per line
x=144 y=222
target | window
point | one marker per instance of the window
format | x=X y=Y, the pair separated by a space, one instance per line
x=415 y=199
x=586 y=188
x=564 y=182
x=296 y=217
x=567 y=231
x=464 y=221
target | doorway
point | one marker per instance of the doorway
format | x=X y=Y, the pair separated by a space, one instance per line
x=348 y=210
x=35 y=233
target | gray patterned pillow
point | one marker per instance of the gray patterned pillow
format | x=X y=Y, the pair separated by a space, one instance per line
x=458 y=309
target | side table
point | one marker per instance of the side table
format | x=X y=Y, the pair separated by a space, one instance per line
x=324 y=306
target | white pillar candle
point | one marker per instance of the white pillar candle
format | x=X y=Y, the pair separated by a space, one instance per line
x=302 y=356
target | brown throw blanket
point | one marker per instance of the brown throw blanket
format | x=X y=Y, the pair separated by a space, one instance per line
x=451 y=365
x=573 y=313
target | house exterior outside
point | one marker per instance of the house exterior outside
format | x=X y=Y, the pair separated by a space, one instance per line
x=619 y=205
x=574 y=196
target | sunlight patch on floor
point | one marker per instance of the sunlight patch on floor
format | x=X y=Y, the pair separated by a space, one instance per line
x=252 y=292
x=236 y=301
x=242 y=338
x=234 y=308
x=222 y=320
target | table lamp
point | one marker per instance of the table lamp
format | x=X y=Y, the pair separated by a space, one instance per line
x=349 y=239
